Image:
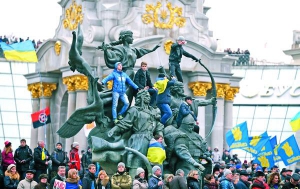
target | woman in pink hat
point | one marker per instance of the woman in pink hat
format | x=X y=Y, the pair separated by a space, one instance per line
x=7 y=156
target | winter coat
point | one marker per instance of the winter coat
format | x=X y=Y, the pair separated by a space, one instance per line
x=23 y=153
x=27 y=184
x=259 y=185
x=142 y=79
x=57 y=177
x=58 y=158
x=121 y=181
x=272 y=186
x=163 y=86
x=7 y=159
x=176 y=53
x=11 y=181
x=86 y=159
x=166 y=179
x=193 y=183
x=184 y=110
x=178 y=182
x=216 y=156
x=105 y=182
x=289 y=185
x=242 y=185
x=74 y=159
x=153 y=182
x=208 y=185
x=140 y=183
x=38 y=162
x=73 y=183
x=88 y=180
x=120 y=79
x=41 y=186
x=226 y=184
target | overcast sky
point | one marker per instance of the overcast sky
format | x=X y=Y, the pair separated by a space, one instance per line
x=264 y=27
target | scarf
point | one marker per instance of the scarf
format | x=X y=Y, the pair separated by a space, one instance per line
x=15 y=176
x=43 y=154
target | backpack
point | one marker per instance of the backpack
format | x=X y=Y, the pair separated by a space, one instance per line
x=72 y=162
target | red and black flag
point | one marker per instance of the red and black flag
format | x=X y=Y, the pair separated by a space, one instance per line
x=41 y=117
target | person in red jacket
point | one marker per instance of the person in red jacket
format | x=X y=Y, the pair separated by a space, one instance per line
x=7 y=156
x=259 y=182
x=74 y=162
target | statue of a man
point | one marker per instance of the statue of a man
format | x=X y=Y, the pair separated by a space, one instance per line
x=143 y=121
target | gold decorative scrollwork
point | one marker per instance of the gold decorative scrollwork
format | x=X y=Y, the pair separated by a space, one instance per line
x=199 y=88
x=34 y=88
x=109 y=84
x=57 y=47
x=221 y=89
x=73 y=16
x=41 y=89
x=159 y=16
x=70 y=82
x=81 y=82
x=230 y=93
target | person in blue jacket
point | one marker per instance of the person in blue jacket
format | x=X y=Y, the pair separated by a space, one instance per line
x=120 y=79
x=185 y=110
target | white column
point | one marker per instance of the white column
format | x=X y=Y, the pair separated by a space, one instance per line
x=227 y=119
x=201 y=117
x=34 y=132
x=81 y=101
x=71 y=109
x=217 y=136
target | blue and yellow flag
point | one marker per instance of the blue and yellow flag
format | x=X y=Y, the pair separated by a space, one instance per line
x=256 y=143
x=237 y=137
x=266 y=157
x=288 y=150
x=295 y=122
x=275 y=146
x=23 y=51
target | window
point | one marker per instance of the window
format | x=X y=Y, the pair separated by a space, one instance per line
x=262 y=112
x=5 y=67
x=278 y=112
x=24 y=105
x=19 y=68
x=25 y=131
x=276 y=124
x=260 y=125
x=19 y=80
x=7 y=105
x=22 y=93
x=24 y=118
x=11 y=131
x=9 y=118
x=246 y=111
x=5 y=79
x=292 y=111
x=9 y=92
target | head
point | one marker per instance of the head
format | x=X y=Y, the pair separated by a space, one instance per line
x=274 y=169
x=59 y=146
x=126 y=36
x=118 y=66
x=295 y=179
x=121 y=167
x=274 y=178
x=244 y=175
x=43 y=178
x=260 y=176
x=30 y=174
x=180 y=172
x=92 y=168
x=144 y=66
x=12 y=168
x=168 y=177
x=140 y=172
x=41 y=143
x=159 y=138
x=289 y=172
x=22 y=142
x=75 y=145
x=228 y=174
x=181 y=40
x=188 y=123
x=156 y=171
x=102 y=175
x=7 y=144
x=194 y=174
x=216 y=149
x=210 y=178
x=142 y=98
x=188 y=100
x=72 y=173
x=61 y=171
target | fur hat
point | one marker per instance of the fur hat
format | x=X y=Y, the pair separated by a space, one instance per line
x=43 y=176
x=7 y=143
x=75 y=144
x=155 y=168
x=139 y=170
x=121 y=164
x=227 y=172
x=10 y=167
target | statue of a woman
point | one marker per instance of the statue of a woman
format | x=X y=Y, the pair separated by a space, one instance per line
x=114 y=52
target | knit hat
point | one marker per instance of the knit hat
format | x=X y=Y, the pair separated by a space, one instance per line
x=75 y=144
x=7 y=143
x=121 y=164
x=180 y=38
x=259 y=173
x=43 y=176
x=296 y=177
x=10 y=167
x=139 y=170
x=155 y=168
x=227 y=172
x=116 y=64
x=58 y=143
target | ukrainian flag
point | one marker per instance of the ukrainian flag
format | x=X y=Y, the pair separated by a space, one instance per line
x=156 y=152
x=23 y=51
x=295 y=122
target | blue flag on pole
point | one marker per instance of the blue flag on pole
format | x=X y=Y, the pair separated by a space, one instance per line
x=256 y=143
x=237 y=137
x=266 y=157
x=288 y=150
x=275 y=146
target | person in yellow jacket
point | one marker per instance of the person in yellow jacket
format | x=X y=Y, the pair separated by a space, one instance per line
x=121 y=179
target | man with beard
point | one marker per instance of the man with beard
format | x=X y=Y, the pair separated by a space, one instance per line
x=243 y=182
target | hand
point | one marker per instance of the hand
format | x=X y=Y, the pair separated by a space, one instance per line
x=199 y=166
x=46 y=163
x=146 y=88
x=197 y=122
x=160 y=183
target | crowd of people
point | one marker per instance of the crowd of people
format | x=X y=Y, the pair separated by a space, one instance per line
x=238 y=51
x=13 y=39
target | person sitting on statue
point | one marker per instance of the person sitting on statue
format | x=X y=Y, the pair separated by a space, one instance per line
x=141 y=119
x=121 y=179
x=120 y=79
x=185 y=110
x=143 y=81
x=163 y=98
x=175 y=56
